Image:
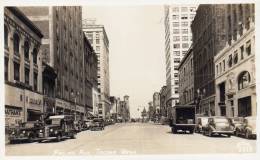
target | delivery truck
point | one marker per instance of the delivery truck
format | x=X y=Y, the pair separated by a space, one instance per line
x=183 y=118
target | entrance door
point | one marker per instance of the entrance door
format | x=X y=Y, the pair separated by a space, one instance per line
x=244 y=107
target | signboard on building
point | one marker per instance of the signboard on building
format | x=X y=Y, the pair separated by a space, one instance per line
x=62 y=104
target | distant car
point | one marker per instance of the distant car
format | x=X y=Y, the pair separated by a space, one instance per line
x=86 y=124
x=133 y=120
x=97 y=124
x=248 y=128
x=201 y=123
x=218 y=125
x=236 y=122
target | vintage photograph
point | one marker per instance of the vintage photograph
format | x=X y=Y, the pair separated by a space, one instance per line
x=162 y=79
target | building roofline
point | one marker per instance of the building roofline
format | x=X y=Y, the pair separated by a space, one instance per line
x=19 y=14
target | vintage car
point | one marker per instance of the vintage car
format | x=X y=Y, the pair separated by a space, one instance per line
x=86 y=124
x=218 y=125
x=235 y=122
x=201 y=123
x=248 y=128
x=57 y=127
x=97 y=124
x=25 y=132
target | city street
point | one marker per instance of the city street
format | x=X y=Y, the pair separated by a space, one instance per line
x=135 y=138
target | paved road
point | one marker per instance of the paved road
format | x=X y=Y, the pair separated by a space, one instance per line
x=135 y=138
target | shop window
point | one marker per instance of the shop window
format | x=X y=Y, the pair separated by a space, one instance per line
x=243 y=80
x=16 y=71
x=16 y=43
x=26 y=50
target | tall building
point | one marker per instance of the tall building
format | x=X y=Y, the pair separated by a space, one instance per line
x=97 y=36
x=163 y=94
x=23 y=69
x=235 y=64
x=209 y=37
x=156 y=102
x=62 y=47
x=186 y=76
x=178 y=39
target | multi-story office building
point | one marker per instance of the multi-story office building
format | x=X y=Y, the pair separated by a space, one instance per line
x=209 y=37
x=235 y=64
x=97 y=36
x=186 y=76
x=163 y=94
x=62 y=47
x=178 y=38
x=23 y=68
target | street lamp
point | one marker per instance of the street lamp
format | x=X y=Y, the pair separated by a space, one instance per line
x=75 y=102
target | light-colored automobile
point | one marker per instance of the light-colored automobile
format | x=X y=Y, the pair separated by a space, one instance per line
x=86 y=124
x=218 y=125
x=235 y=122
x=201 y=123
x=248 y=128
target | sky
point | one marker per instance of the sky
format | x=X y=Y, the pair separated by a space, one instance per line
x=137 y=57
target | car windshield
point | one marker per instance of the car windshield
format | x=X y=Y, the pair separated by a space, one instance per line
x=55 y=121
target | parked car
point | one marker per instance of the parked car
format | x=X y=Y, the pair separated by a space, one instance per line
x=236 y=122
x=97 y=123
x=248 y=128
x=218 y=125
x=201 y=123
x=86 y=124
x=25 y=132
x=57 y=128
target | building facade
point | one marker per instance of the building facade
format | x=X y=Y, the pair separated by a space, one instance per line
x=178 y=38
x=124 y=109
x=235 y=65
x=23 y=68
x=156 y=103
x=62 y=47
x=209 y=37
x=186 y=76
x=163 y=94
x=97 y=37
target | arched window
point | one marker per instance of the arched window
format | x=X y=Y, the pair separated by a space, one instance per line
x=6 y=36
x=243 y=80
x=34 y=54
x=26 y=50
x=16 y=41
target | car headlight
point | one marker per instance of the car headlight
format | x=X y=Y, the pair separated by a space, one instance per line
x=13 y=132
x=51 y=130
x=56 y=132
x=40 y=131
x=23 y=131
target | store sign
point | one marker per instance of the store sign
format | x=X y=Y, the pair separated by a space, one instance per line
x=62 y=104
x=80 y=109
x=35 y=101
x=12 y=112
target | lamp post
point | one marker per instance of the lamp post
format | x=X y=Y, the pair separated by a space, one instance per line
x=75 y=102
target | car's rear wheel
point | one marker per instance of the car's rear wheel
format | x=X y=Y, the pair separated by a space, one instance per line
x=228 y=135
x=210 y=133
x=58 y=138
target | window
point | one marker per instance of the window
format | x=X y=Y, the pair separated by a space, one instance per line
x=177 y=60
x=176 y=68
x=176 y=82
x=35 y=79
x=16 y=71
x=176 y=53
x=97 y=35
x=248 y=47
x=176 y=45
x=98 y=48
x=34 y=54
x=243 y=80
x=184 y=24
x=175 y=24
x=97 y=41
x=224 y=65
x=176 y=31
x=176 y=38
x=184 y=9
x=192 y=16
x=27 y=75
x=217 y=69
x=176 y=90
x=242 y=52
x=230 y=60
x=235 y=57
x=185 y=38
x=26 y=50
x=192 y=9
x=6 y=69
x=16 y=43
x=175 y=17
x=185 y=31
x=6 y=36
x=175 y=9
x=184 y=16
x=184 y=52
x=175 y=75
x=185 y=45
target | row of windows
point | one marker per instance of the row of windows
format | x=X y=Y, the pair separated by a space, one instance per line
x=184 y=9
x=184 y=38
x=177 y=45
x=233 y=58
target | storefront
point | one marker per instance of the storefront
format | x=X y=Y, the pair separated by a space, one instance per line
x=62 y=107
x=80 y=110
x=33 y=105
x=14 y=106
x=49 y=105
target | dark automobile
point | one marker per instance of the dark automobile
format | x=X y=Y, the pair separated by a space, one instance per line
x=248 y=128
x=236 y=122
x=86 y=124
x=57 y=128
x=97 y=124
x=25 y=132
x=218 y=125
x=201 y=123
